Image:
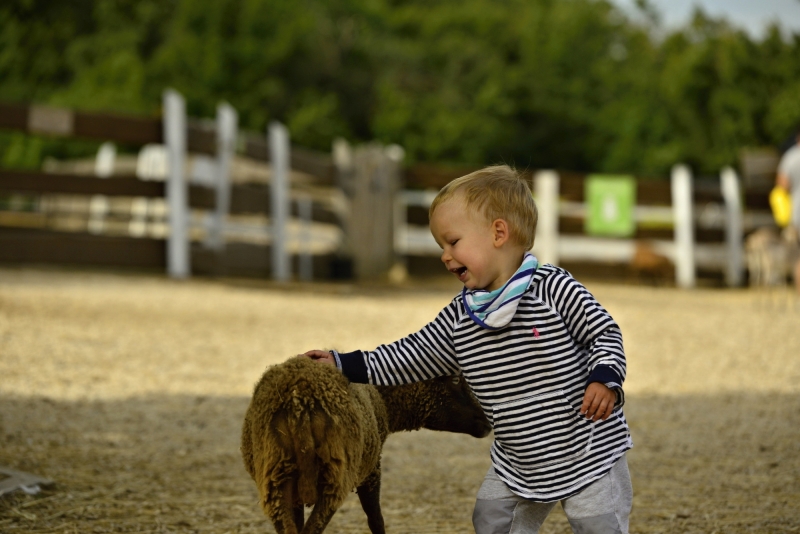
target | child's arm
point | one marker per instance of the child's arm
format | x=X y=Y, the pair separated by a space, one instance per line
x=422 y=355
x=594 y=328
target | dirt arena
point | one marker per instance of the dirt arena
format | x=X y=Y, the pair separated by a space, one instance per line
x=129 y=392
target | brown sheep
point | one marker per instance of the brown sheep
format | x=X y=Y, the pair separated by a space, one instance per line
x=647 y=264
x=310 y=437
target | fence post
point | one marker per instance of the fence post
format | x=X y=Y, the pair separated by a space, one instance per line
x=376 y=182
x=103 y=168
x=546 y=185
x=734 y=231
x=682 y=198
x=279 y=159
x=226 y=145
x=343 y=157
x=104 y=161
x=178 y=260
x=305 y=258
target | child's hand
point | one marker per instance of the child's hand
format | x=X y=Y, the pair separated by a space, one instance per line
x=320 y=356
x=598 y=401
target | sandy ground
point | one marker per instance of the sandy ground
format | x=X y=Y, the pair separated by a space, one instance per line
x=129 y=392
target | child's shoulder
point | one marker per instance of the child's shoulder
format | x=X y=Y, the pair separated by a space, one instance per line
x=550 y=271
x=551 y=279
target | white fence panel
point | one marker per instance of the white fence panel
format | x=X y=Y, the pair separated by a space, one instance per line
x=279 y=214
x=178 y=260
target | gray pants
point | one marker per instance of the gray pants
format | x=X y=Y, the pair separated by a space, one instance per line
x=601 y=508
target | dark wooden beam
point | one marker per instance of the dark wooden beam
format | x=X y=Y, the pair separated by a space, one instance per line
x=13 y=116
x=23 y=245
x=252 y=261
x=118 y=128
x=200 y=137
x=317 y=164
x=65 y=122
x=40 y=182
x=244 y=198
x=429 y=176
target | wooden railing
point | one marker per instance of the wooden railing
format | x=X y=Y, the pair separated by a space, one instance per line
x=174 y=253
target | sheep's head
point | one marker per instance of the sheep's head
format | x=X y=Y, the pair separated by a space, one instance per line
x=444 y=403
x=455 y=408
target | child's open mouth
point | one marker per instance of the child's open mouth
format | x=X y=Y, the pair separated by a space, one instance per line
x=461 y=273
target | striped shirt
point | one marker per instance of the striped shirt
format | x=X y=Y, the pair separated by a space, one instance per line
x=529 y=376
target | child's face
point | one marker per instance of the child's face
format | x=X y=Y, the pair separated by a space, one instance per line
x=469 y=246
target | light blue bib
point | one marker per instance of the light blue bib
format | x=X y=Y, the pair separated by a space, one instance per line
x=495 y=309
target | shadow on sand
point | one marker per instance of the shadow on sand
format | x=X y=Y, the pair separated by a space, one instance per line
x=728 y=463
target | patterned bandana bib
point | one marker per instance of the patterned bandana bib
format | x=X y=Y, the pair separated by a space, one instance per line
x=494 y=309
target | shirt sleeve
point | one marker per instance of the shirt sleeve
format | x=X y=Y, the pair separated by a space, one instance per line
x=422 y=355
x=783 y=164
x=789 y=163
x=591 y=326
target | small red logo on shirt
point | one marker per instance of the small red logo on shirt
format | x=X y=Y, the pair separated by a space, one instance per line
x=535 y=333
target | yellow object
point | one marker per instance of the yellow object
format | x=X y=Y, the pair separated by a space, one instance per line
x=781 y=204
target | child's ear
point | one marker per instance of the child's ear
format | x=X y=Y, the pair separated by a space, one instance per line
x=500 y=231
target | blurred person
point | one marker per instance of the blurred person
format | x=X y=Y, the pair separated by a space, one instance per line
x=788 y=178
x=542 y=356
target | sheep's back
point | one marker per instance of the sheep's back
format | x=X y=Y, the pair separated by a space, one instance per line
x=299 y=384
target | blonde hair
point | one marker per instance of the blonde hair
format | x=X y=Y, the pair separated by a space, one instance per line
x=497 y=192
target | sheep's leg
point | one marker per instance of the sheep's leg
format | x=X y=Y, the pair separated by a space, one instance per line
x=283 y=513
x=324 y=509
x=369 y=493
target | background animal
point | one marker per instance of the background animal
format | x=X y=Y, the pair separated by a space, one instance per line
x=767 y=257
x=310 y=437
x=648 y=265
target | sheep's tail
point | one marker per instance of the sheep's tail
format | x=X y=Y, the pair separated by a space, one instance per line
x=299 y=431
x=308 y=466
x=285 y=466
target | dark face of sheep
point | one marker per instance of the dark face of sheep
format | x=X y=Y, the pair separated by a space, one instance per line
x=454 y=408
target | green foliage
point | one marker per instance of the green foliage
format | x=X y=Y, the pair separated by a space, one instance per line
x=571 y=84
x=21 y=151
x=783 y=115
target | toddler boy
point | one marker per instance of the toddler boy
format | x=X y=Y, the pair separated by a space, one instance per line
x=541 y=355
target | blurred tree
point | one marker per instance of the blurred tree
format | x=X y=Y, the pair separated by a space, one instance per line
x=84 y=53
x=79 y=53
x=298 y=61
x=573 y=84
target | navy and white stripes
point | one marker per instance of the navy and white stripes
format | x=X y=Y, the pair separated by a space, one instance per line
x=529 y=376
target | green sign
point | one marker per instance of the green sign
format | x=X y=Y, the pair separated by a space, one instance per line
x=610 y=202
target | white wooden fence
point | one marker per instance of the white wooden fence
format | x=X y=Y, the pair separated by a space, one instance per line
x=70 y=212
x=214 y=173
x=681 y=213
x=368 y=179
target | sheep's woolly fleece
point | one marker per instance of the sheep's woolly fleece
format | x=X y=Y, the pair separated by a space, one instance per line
x=278 y=423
